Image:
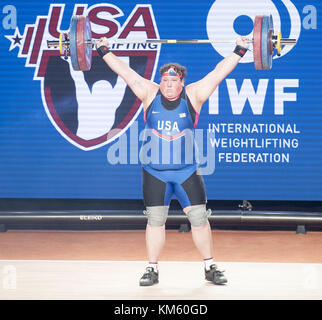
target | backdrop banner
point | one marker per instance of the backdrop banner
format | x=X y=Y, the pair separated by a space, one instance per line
x=74 y=134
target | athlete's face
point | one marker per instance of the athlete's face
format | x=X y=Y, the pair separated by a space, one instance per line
x=171 y=87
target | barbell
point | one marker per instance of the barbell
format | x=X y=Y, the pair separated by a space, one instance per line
x=78 y=42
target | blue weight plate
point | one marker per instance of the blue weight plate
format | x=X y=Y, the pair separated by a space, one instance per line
x=73 y=43
x=271 y=28
x=265 y=48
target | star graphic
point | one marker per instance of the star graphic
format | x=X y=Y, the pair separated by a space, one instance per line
x=15 y=39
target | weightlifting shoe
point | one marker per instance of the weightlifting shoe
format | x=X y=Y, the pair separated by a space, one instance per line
x=214 y=275
x=149 y=278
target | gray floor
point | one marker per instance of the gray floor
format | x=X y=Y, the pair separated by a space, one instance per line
x=117 y=280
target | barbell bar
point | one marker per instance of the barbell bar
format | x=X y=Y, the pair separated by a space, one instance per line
x=55 y=43
x=78 y=42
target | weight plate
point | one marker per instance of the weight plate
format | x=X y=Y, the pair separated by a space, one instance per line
x=257 y=44
x=271 y=33
x=72 y=42
x=60 y=43
x=265 y=48
x=278 y=43
x=270 y=42
x=84 y=45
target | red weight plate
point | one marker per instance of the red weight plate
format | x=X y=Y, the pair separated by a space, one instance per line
x=84 y=47
x=257 y=42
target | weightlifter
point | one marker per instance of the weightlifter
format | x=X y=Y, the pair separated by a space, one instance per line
x=178 y=105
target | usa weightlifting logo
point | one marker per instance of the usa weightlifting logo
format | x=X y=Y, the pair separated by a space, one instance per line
x=229 y=19
x=89 y=109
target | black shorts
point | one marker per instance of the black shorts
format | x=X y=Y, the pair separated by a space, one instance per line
x=159 y=187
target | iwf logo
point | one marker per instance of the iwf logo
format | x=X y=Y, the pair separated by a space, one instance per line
x=226 y=18
x=92 y=108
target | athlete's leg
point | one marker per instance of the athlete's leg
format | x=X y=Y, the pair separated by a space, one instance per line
x=202 y=237
x=192 y=197
x=191 y=194
x=155 y=239
x=200 y=229
x=156 y=194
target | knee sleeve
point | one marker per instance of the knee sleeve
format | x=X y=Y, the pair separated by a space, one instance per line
x=198 y=215
x=157 y=215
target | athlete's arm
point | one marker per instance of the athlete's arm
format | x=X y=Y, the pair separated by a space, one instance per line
x=144 y=89
x=201 y=90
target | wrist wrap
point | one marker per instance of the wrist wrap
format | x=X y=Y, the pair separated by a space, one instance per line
x=241 y=51
x=103 y=50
